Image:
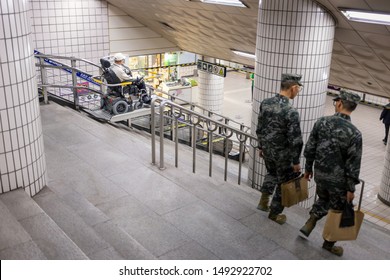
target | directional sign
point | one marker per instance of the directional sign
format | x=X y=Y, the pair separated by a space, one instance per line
x=211 y=68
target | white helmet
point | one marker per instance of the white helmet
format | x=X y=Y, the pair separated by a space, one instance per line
x=119 y=57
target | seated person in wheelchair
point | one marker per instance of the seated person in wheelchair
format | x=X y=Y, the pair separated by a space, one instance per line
x=124 y=74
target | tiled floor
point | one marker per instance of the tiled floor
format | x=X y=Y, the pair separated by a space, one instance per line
x=237 y=105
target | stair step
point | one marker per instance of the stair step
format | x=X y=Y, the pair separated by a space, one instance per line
x=15 y=242
x=23 y=251
x=41 y=231
x=70 y=222
x=219 y=194
x=126 y=246
x=240 y=203
x=117 y=244
x=123 y=243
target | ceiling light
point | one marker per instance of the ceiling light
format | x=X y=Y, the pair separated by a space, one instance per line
x=245 y=54
x=235 y=3
x=366 y=16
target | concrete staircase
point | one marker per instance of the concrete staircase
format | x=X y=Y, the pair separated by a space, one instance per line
x=105 y=201
x=27 y=232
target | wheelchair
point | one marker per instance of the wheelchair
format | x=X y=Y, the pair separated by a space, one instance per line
x=122 y=97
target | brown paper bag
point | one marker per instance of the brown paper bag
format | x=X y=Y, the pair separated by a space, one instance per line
x=294 y=191
x=333 y=231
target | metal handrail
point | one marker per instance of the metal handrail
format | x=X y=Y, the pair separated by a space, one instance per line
x=68 y=58
x=160 y=105
x=195 y=106
x=72 y=69
x=61 y=86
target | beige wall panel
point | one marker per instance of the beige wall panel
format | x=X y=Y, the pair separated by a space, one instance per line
x=132 y=33
x=122 y=21
x=140 y=44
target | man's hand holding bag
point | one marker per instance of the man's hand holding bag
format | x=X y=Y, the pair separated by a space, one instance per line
x=294 y=191
x=344 y=225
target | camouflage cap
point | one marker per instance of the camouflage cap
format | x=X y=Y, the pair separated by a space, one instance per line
x=349 y=96
x=292 y=78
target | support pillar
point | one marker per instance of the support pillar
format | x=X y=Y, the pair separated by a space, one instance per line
x=211 y=90
x=22 y=161
x=292 y=37
x=384 y=190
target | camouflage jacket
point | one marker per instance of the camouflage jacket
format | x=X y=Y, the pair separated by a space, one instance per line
x=335 y=149
x=278 y=130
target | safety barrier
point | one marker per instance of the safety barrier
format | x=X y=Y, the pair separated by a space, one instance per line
x=196 y=121
x=221 y=118
x=51 y=62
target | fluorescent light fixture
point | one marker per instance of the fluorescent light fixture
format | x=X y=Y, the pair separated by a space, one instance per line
x=235 y=3
x=366 y=16
x=244 y=54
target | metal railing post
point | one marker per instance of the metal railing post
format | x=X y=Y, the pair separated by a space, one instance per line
x=153 y=130
x=210 y=153
x=43 y=79
x=176 y=134
x=253 y=167
x=226 y=153
x=242 y=139
x=102 y=86
x=74 y=83
x=193 y=140
x=241 y=151
x=172 y=124
x=162 y=105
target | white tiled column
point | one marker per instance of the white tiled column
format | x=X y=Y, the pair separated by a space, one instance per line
x=384 y=190
x=211 y=91
x=292 y=37
x=22 y=162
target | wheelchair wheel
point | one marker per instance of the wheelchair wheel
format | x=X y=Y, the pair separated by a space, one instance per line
x=138 y=105
x=120 y=107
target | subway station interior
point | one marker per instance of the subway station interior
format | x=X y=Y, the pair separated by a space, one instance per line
x=172 y=172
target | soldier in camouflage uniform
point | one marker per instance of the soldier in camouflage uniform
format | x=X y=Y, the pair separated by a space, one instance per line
x=280 y=144
x=335 y=149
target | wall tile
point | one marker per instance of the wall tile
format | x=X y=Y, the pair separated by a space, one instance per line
x=17 y=101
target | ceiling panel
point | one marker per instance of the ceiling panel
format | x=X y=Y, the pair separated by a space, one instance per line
x=345 y=60
x=379 y=5
x=360 y=50
x=384 y=55
x=370 y=28
x=361 y=53
x=376 y=41
x=339 y=49
x=349 y=36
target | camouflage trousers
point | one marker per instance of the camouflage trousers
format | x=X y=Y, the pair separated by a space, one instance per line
x=277 y=173
x=328 y=196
